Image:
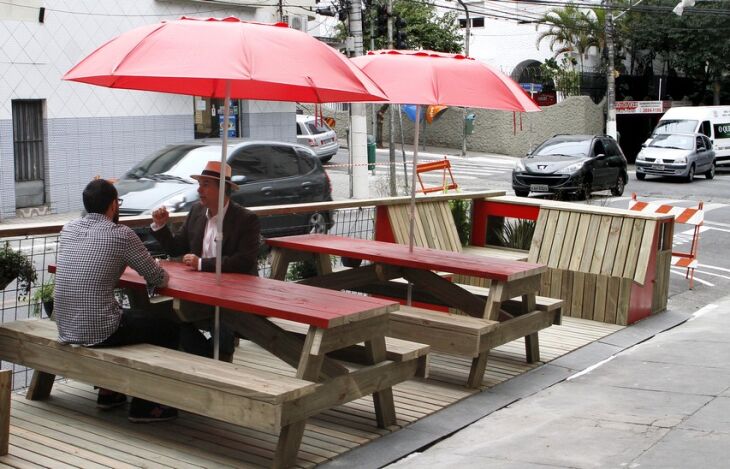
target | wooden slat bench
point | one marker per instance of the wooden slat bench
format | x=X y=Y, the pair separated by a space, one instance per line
x=468 y=336
x=236 y=394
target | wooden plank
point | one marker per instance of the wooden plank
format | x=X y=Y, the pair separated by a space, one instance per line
x=538 y=236
x=632 y=255
x=573 y=207
x=581 y=235
x=609 y=256
x=599 y=250
x=614 y=285
x=624 y=297
x=556 y=288
x=569 y=241
x=642 y=263
x=566 y=288
x=559 y=235
x=599 y=308
x=590 y=245
x=548 y=236
x=578 y=292
x=450 y=226
x=6 y=380
x=623 y=248
x=589 y=295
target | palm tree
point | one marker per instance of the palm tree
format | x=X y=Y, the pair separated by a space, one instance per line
x=573 y=29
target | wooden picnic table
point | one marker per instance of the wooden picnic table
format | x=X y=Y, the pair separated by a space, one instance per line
x=338 y=323
x=472 y=335
x=509 y=278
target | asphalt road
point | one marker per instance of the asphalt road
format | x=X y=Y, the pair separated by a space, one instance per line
x=482 y=172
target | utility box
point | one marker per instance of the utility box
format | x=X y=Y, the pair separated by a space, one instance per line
x=371 y=153
x=469 y=119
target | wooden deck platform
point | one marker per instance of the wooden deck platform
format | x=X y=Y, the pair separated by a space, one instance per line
x=68 y=430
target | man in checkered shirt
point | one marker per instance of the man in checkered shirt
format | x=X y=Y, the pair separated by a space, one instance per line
x=93 y=253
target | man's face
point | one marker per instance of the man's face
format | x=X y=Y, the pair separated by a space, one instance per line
x=208 y=192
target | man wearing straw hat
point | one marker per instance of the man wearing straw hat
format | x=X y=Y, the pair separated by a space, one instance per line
x=195 y=242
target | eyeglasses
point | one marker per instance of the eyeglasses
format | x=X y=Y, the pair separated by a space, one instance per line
x=119 y=202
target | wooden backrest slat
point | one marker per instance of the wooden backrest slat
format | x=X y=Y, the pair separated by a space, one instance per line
x=609 y=257
x=632 y=254
x=567 y=251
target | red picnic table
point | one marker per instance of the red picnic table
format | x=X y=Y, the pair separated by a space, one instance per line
x=337 y=322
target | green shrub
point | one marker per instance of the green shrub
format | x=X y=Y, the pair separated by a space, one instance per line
x=461 y=211
x=14 y=264
x=517 y=234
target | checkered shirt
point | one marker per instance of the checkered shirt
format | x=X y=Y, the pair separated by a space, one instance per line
x=93 y=253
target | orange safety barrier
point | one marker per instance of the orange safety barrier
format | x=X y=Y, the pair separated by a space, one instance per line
x=443 y=165
x=694 y=216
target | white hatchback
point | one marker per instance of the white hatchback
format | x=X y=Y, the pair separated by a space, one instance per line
x=318 y=136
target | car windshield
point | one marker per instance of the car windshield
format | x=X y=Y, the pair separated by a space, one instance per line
x=175 y=163
x=680 y=142
x=567 y=148
x=316 y=127
x=675 y=126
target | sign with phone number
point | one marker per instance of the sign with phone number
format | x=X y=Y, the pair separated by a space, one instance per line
x=722 y=130
x=639 y=107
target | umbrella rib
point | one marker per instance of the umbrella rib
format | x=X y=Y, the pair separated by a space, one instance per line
x=136 y=46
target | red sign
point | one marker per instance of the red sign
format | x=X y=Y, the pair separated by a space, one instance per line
x=639 y=107
x=545 y=99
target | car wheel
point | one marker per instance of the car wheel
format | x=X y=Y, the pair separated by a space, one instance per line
x=710 y=174
x=618 y=189
x=317 y=223
x=691 y=174
x=640 y=176
x=522 y=193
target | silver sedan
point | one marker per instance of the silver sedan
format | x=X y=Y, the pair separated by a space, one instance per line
x=678 y=155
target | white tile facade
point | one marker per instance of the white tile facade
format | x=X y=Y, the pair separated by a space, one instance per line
x=93 y=130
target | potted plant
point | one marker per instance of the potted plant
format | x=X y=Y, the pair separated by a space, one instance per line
x=43 y=296
x=15 y=265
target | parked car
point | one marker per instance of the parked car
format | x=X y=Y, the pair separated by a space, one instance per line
x=572 y=164
x=267 y=173
x=679 y=155
x=318 y=136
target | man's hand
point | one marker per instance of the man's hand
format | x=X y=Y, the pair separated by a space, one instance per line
x=191 y=260
x=160 y=216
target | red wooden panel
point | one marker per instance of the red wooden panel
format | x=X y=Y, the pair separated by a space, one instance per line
x=383 y=228
x=420 y=258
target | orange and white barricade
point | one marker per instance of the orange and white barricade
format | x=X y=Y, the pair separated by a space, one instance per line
x=694 y=216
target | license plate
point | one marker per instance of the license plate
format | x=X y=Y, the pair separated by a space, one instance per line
x=657 y=166
x=539 y=188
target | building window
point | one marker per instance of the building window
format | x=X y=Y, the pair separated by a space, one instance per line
x=209 y=118
x=28 y=140
x=477 y=22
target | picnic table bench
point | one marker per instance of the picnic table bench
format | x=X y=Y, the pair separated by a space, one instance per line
x=335 y=322
x=488 y=325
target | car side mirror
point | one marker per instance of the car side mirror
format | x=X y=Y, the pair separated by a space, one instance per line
x=238 y=179
x=601 y=155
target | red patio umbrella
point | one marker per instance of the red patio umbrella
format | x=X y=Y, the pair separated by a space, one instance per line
x=435 y=78
x=226 y=58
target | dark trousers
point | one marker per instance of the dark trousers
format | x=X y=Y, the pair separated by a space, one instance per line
x=138 y=327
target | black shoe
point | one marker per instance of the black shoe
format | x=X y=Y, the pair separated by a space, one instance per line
x=110 y=399
x=142 y=411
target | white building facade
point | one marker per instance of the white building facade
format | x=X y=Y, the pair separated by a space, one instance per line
x=55 y=136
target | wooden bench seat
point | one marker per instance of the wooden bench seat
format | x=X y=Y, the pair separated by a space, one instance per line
x=542 y=303
x=232 y=393
x=468 y=336
x=498 y=252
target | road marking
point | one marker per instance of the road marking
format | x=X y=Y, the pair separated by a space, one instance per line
x=711 y=273
x=683 y=273
x=702 y=311
x=705 y=266
x=590 y=368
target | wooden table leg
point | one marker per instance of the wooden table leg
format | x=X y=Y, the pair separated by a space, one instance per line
x=497 y=292
x=40 y=386
x=279 y=263
x=383 y=400
x=310 y=365
x=532 y=343
x=6 y=378
x=478 y=367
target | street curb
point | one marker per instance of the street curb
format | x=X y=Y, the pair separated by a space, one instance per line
x=444 y=423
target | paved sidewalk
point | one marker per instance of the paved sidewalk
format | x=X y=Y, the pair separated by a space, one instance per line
x=654 y=395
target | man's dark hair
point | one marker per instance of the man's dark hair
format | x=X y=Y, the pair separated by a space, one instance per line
x=98 y=196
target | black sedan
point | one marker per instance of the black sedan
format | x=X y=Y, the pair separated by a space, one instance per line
x=577 y=164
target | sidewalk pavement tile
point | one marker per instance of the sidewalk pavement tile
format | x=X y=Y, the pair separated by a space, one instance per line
x=646 y=328
x=404 y=441
x=586 y=356
x=447 y=458
x=714 y=417
x=687 y=449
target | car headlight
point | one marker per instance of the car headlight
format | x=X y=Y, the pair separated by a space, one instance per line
x=640 y=156
x=174 y=204
x=571 y=168
x=680 y=159
x=520 y=165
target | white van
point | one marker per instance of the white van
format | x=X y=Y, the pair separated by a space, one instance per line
x=713 y=121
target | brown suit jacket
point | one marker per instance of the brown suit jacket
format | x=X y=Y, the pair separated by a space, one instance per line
x=241 y=239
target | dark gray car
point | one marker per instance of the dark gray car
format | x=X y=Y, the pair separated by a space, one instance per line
x=678 y=155
x=267 y=173
x=572 y=164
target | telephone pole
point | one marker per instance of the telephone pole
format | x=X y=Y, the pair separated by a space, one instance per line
x=358 y=122
x=610 y=77
x=391 y=114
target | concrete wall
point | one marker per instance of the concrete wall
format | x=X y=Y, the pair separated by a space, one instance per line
x=495 y=131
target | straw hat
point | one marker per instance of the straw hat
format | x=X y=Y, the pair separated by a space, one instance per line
x=213 y=171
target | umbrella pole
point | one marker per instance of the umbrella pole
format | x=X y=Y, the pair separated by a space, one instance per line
x=412 y=211
x=219 y=220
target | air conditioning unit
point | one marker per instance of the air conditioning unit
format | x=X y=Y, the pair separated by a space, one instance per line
x=298 y=22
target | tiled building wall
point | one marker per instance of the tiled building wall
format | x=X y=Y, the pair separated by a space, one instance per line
x=93 y=130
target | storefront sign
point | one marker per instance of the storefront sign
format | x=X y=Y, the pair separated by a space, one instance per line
x=639 y=107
